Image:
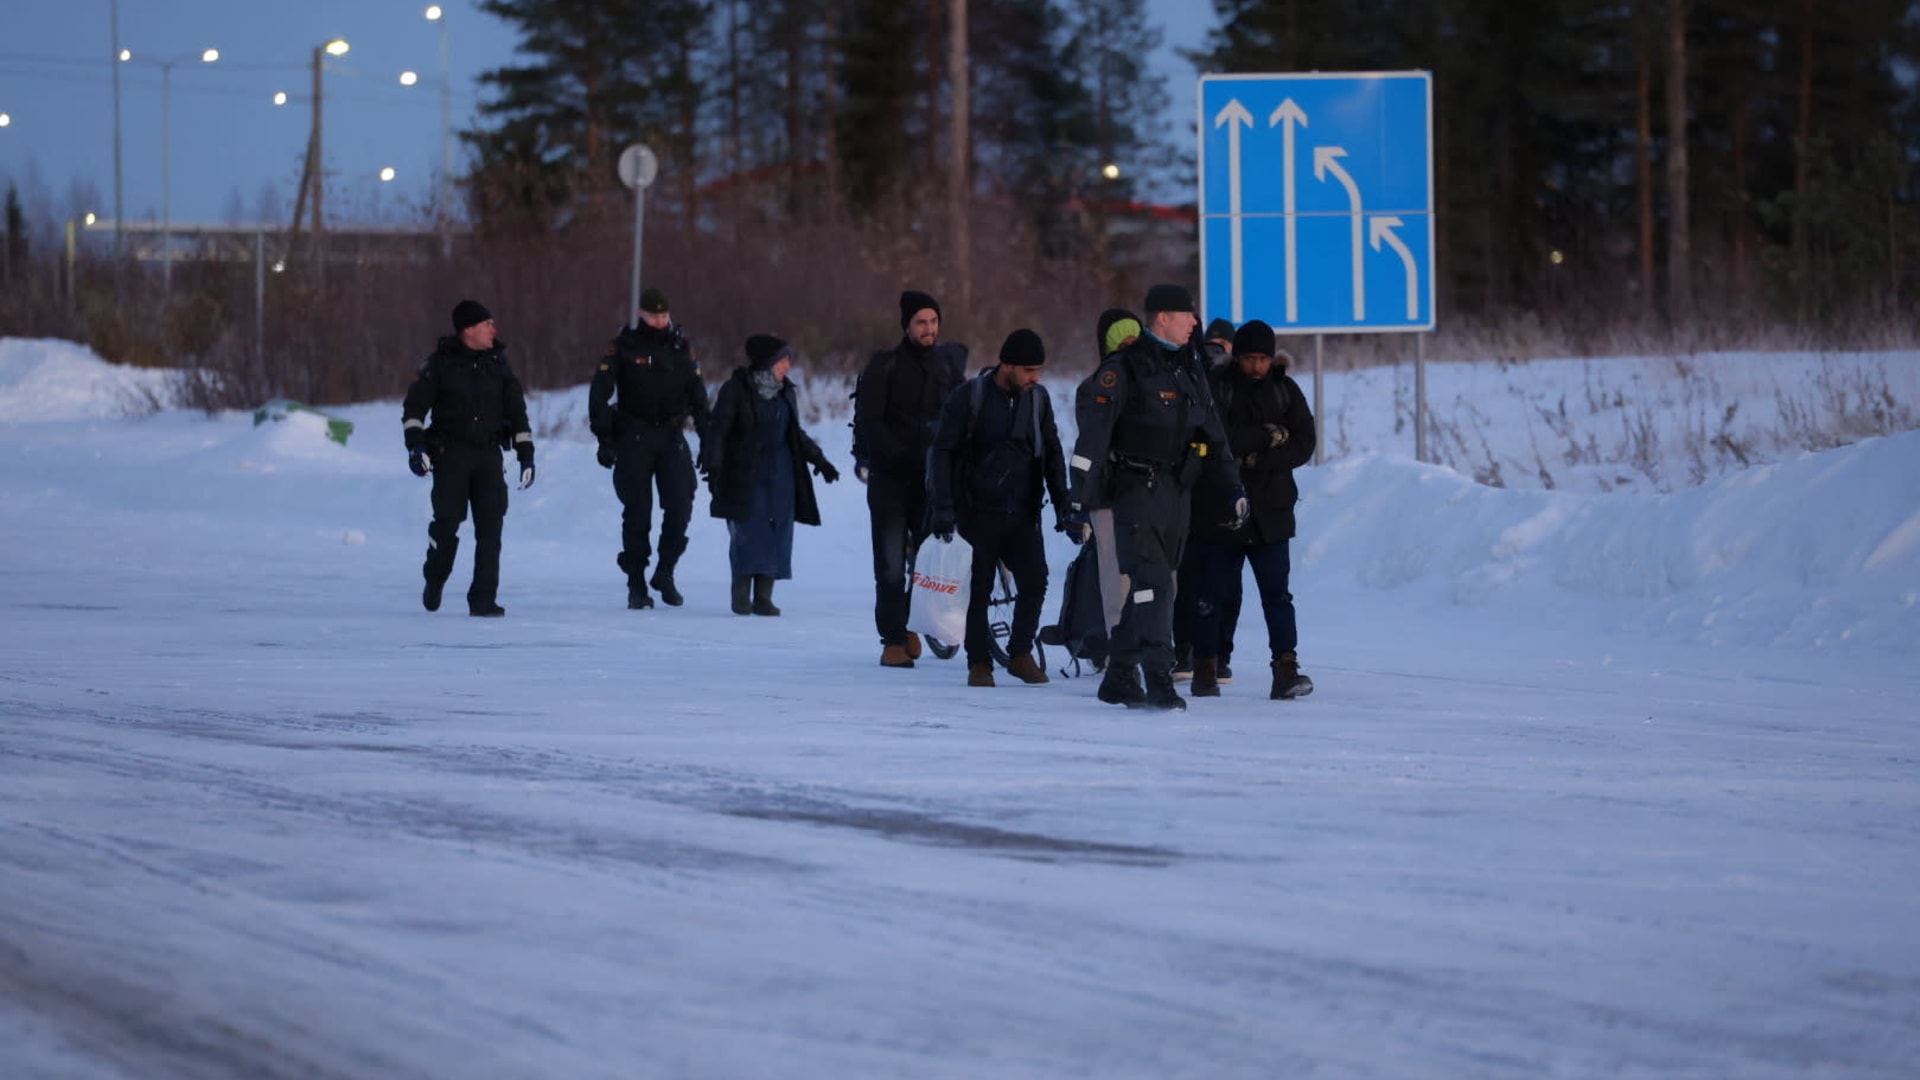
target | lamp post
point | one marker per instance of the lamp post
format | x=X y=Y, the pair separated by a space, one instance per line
x=443 y=194
x=206 y=56
x=314 y=174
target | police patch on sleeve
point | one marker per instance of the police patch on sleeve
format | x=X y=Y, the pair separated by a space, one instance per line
x=1109 y=379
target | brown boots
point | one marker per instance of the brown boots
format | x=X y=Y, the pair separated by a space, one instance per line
x=913 y=645
x=1206 y=677
x=895 y=656
x=980 y=674
x=1288 y=683
x=1024 y=668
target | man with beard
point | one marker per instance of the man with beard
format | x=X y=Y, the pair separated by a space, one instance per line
x=478 y=407
x=896 y=403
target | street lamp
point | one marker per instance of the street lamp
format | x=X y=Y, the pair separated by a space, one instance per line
x=315 y=171
x=5 y=120
x=436 y=15
x=206 y=56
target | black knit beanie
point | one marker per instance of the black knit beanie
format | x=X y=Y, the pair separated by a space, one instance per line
x=912 y=302
x=765 y=350
x=469 y=313
x=1220 y=329
x=1255 y=337
x=1023 y=348
x=654 y=302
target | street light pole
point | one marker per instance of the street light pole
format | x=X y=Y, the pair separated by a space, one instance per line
x=444 y=194
x=119 y=212
x=207 y=56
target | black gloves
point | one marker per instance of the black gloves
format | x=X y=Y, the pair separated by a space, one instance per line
x=419 y=462
x=1241 y=510
x=826 y=471
x=1077 y=525
x=605 y=455
x=526 y=467
x=942 y=524
x=1276 y=436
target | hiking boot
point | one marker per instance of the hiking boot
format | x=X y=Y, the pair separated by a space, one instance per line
x=1206 y=679
x=1161 y=696
x=1288 y=683
x=637 y=598
x=1183 y=662
x=430 y=596
x=1121 y=685
x=663 y=584
x=741 y=604
x=763 y=595
x=980 y=674
x=486 y=611
x=913 y=645
x=895 y=656
x=1024 y=668
x=1224 y=675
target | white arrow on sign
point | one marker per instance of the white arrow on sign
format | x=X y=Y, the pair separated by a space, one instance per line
x=1233 y=118
x=1291 y=114
x=1325 y=159
x=1382 y=229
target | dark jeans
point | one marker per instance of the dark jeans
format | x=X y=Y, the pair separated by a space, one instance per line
x=468 y=476
x=1015 y=541
x=645 y=459
x=898 y=508
x=1219 y=565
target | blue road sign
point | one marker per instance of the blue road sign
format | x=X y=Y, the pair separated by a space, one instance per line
x=1316 y=201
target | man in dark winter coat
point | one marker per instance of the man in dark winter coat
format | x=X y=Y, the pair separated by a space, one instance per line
x=647 y=387
x=755 y=455
x=1272 y=433
x=1148 y=431
x=896 y=403
x=477 y=409
x=995 y=446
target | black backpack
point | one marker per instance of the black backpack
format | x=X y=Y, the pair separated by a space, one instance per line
x=1082 y=629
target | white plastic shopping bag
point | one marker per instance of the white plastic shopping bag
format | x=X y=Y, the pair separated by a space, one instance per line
x=942 y=581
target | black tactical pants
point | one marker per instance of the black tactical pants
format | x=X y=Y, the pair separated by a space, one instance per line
x=646 y=458
x=898 y=508
x=1013 y=541
x=1150 y=521
x=466 y=476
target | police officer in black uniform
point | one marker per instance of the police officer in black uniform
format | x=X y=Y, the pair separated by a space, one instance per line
x=1148 y=430
x=478 y=409
x=647 y=388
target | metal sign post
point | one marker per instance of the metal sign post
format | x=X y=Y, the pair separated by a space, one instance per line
x=1316 y=203
x=638 y=168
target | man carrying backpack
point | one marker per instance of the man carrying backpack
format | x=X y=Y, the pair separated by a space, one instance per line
x=993 y=449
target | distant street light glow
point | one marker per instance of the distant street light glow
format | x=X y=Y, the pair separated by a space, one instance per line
x=338 y=47
x=210 y=56
x=91 y=218
x=386 y=174
x=126 y=55
x=5 y=120
x=433 y=12
x=280 y=97
x=1110 y=170
x=408 y=78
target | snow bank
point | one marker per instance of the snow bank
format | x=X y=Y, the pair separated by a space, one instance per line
x=47 y=379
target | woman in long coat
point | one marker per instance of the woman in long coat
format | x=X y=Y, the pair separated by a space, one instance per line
x=756 y=459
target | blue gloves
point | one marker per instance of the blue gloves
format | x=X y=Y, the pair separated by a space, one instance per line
x=419 y=462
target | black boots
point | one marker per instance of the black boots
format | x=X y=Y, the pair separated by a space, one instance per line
x=1206 y=678
x=637 y=598
x=636 y=571
x=741 y=604
x=430 y=596
x=1160 y=693
x=1288 y=683
x=670 y=551
x=1121 y=685
x=763 y=595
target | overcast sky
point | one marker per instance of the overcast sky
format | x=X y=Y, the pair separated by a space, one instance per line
x=230 y=142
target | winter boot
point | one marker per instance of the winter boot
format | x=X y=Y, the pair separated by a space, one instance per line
x=980 y=674
x=1224 y=674
x=1183 y=662
x=1161 y=696
x=662 y=581
x=430 y=596
x=1288 y=683
x=637 y=598
x=636 y=571
x=763 y=595
x=913 y=645
x=486 y=611
x=1206 y=678
x=895 y=656
x=1121 y=685
x=742 y=605
x=1022 y=667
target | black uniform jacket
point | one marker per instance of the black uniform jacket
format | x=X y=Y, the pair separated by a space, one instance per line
x=896 y=403
x=1145 y=410
x=1253 y=410
x=966 y=472
x=475 y=399
x=727 y=452
x=648 y=378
